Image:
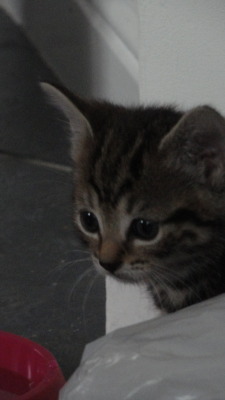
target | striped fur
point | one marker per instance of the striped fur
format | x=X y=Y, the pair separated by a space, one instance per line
x=160 y=169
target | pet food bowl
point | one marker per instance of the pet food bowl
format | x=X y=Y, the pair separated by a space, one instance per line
x=27 y=370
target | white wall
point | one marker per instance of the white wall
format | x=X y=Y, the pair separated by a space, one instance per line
x=182 y=52
x=122 y=16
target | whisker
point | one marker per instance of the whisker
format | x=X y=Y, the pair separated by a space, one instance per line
x=79 y=251
x=84 y=303
x=60 y=268
x=77 y=282
x=168 y=276
x=154 y=282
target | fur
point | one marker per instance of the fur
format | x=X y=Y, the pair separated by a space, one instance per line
x=150 y=195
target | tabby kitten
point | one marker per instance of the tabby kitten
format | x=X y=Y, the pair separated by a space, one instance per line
x=150 y=195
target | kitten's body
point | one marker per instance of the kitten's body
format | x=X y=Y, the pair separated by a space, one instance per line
x=150 y=196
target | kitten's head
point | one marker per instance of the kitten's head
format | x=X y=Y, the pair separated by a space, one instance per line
x=149 y=189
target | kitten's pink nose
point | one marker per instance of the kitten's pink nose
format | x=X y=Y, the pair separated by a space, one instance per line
x=111 y=267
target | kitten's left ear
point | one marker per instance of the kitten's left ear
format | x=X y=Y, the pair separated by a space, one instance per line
x=196 y=146
x=79 y=125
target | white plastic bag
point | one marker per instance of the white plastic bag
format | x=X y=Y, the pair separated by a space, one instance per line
x=179 y=356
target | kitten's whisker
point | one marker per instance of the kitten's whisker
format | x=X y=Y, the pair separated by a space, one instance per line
x=158 y=281
x=169 y=277
x=166 y=282
x=89 y=288
x=60 y=268
x=79 y=251
x=77 y=282
x=155 y=279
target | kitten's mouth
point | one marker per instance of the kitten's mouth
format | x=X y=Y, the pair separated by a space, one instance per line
x=123 y=272
x=131 y=275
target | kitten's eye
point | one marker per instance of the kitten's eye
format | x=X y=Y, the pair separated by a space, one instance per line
x=144 y=229
x=89 y=221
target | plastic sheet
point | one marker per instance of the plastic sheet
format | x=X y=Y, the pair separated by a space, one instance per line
x=180 y=356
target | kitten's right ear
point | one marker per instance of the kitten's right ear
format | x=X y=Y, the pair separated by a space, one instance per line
x=79 y=125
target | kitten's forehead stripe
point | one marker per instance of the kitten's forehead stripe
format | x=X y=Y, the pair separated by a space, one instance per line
x=183 y=215
x=114 y=198
x=117 y=164
x=136 y=162
x=125 y=188
x=96 y=188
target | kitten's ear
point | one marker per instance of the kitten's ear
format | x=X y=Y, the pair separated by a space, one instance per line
x=79 y=125
x=196 y=145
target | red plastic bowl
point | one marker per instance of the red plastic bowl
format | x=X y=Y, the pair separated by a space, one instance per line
x=27 y=370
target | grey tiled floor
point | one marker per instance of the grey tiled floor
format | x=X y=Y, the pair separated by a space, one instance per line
x=46 y=293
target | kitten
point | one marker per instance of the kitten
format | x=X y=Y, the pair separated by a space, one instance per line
x=150 y=195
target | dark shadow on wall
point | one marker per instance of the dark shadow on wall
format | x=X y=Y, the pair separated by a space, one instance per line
x=49 y=291
x=28 y=126
x=83 y=57
x=60 y=26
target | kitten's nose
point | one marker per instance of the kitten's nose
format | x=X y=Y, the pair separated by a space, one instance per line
x=110 y=266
